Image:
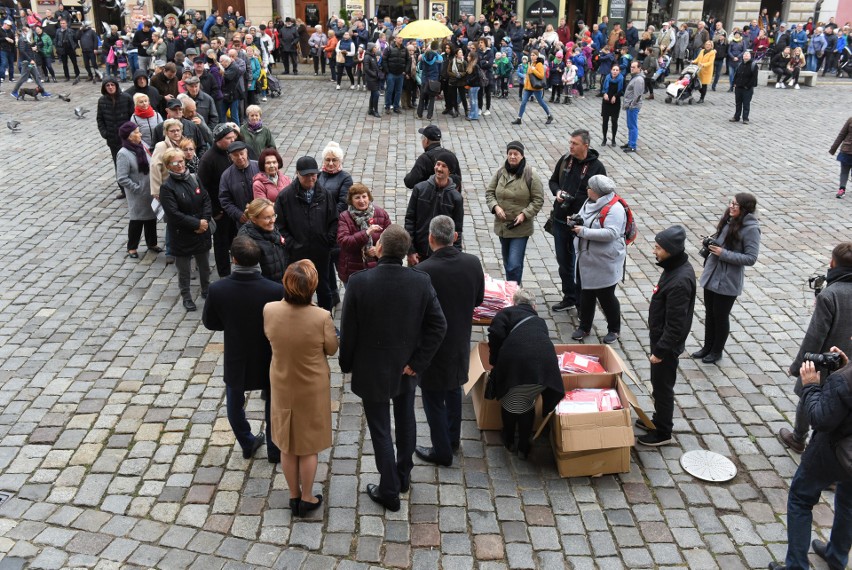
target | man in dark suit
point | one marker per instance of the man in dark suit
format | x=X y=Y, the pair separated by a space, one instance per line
x=459 y=282
x=235 y=305
x=391 y=327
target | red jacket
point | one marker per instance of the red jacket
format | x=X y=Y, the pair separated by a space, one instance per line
x=352 y=241
x=262 y=186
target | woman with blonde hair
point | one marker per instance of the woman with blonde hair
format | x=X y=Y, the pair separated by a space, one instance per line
x=336 y=182
x=255 y=134
x=145 y=117
x=302 y=337
x=705 y=60
x=173 y=132
x=261 y=228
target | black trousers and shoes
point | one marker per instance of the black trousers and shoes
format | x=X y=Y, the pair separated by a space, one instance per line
x=717 y=325
x=134 y=232
x=742 y=97
x=663 y=376
x=394 y=469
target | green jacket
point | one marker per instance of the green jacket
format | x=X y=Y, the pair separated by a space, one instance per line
x=514 y=195
x=259 y=140
x=46 y=45
x=504 y=67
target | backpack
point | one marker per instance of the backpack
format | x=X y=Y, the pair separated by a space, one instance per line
x=630 y=229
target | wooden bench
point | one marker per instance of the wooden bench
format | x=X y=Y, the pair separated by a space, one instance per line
x=767 y=77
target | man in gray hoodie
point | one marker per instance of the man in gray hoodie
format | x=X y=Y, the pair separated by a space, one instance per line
x=632 y=104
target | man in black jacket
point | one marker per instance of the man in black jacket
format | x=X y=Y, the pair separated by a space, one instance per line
x=459 y=282
x=568 y=184
x=88 y=39
x=114 y=108
x=435 y=196
x=394 y=63
x=235 y=305
x=392 y=325
x=307 y=219
x=829 y=410
x=745 y=80
x=669 y=323
x=212 y=165
x=289 y=38
x=66 y=48
x=424 y=166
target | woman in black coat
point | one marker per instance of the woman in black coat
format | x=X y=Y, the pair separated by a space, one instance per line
x=261 y=228
x=336 y=182
x=114 y=108
x=486 y=63
x=524 y=366
x=371 y=79
x=188 y=223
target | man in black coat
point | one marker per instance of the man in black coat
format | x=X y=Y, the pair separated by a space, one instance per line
x=307 y=219
x=745 y=80
x=568 y=185
x=669 y=323
x=459 y=282
x=114 y=108
x=424 y=166
x=212 y=165
x=289 y=38
x=435 y=196
x=391 y=327
x=235 y=305
x=829 y=410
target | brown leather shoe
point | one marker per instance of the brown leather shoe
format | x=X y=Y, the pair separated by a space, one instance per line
x=791 y=440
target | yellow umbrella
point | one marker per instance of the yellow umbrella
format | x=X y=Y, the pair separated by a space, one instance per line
x=425 y=29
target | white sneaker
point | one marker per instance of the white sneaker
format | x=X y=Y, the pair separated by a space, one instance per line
x=796 y=86
x=778 y=85
x=264 y=99
x=790 y=81
x=352 y=88
x=783 y=86
x=486 y=113
x=338 y=88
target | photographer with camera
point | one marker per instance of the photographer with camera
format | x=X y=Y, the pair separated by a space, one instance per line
x=828 y=327
x=568 y=185
x=601 y=252
x=734 y=246
x=827 y=461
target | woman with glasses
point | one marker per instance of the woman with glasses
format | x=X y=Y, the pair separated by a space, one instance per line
x=336 y=182
x=173 y=131
x=188 y=223
x=737 y=242
x=261 y=228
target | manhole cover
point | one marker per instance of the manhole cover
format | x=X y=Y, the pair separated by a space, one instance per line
x=708 y=466
x=4 y=497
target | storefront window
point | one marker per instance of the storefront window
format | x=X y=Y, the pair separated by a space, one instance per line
x=395 y=8
x=501 y=10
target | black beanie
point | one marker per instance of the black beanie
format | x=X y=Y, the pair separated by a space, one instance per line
x=672 y=239
x=517 y=145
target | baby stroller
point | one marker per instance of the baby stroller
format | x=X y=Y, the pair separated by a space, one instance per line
x=273 y=85
x=844 y=64
x=681 y=90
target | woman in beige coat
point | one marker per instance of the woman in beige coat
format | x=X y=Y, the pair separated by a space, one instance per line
x=302 y=336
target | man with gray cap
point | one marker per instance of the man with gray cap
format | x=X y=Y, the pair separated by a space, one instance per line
x=424 y=166
x=669 y=323
x=212 y=165
x=205 y=105
x=235 y=187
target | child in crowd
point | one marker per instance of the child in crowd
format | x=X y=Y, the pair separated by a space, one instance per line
x=520 y=75
x=359 y=69
x=503 y=67
x=579 y=61
x=569 y=77
x=556 y=68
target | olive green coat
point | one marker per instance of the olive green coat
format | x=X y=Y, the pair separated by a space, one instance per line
x=513 y=195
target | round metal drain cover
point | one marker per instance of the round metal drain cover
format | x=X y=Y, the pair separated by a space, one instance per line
x=708 y=466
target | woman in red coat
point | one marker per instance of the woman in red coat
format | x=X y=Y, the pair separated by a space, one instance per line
x=358 y=232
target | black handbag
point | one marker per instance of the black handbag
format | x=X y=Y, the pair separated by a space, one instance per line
x=434 y=86
x=490 y=382
x=537 y=83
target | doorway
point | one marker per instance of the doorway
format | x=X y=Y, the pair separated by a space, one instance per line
x=718 y=10
x=222 y=6
x=312 y=12
x=577 y=10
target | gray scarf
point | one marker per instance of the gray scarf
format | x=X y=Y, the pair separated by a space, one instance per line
x=246 y=269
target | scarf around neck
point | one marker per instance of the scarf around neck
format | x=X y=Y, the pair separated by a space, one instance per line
x=255 y=128
x=245 y=269
x=146 y=114
x=180 y=176
x=141 y=155
x=363 y=219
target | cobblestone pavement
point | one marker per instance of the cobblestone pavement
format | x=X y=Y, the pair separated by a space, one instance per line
x=113 y=437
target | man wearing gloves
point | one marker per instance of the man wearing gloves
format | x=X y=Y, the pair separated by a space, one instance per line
x=669 y=322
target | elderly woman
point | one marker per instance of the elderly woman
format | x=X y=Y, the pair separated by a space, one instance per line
x=270 y=181
x=336 y=182
x=188 y=223
x=261 y=228
x=524 y=365
x=173 y=131
x=345 y=58
x=358 y=231
x=131 y=172
x=514 y=196
x=255 y=134
x=317 y=43
x=145 y=117
x=302 y=337
x=737 y=243
x=601 y=251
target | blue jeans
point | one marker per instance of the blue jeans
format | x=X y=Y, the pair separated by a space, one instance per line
x=235 y=401
x=6 y=63
x=133 y=62
x=563 y=243
x=513 y=257
x=443 y=414
x=526 y=97
x=811 y=60
x=474 y=103
x=732 y=70
x=234 y=107
x=817 y=471
x=632 y=127
x=393 y=92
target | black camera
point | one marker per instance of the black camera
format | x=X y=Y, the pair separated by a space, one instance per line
x=817 y=283
x=706 y=242
x=574 y=221
x=829 y=361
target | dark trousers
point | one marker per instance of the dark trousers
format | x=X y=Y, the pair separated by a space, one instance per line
x=703 y=92
x=781 y=73
x=717 y=322
x=374 y=101
x=324 y=287
x=563 y=241
x=332 y=268
x=609 y=305
x=319 y=59
x=134 y=232
x=340 y=69
x=830 y=62
x=91 y=63
x=461 y=97
x=818 y=470
x=427 y=100
x=291 y=57
x=225 y=233
x=663 y=376
x=449 y=96
x=504 y=87
x=742 y=98
x=393 y=469
x=443 y=413
x=73 y=57
x=113 y=150
x=486 y=97
x=183 y=263
x=235 y=403
x=523 y=423
x=610 y=114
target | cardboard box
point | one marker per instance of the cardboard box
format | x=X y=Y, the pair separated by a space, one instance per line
x=593 y=431
x=608 y=358
x=591 y=463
